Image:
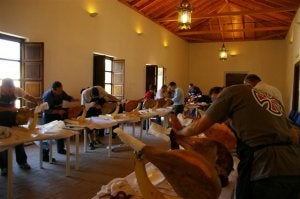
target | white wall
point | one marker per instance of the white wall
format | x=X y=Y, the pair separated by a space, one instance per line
x=293 y=56
x=264 y=58
x=71 y=36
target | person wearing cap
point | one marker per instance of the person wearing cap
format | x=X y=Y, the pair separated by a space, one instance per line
x=55 y=97
x=8 y=95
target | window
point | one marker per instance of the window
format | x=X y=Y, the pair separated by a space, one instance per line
x=24 y=63
x=155 y=76
x=109 y=73
x=10 y=60
x=108 y=76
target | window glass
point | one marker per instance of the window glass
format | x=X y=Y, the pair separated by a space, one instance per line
x=108 y=88
x=9 y=49
x=10 y=64
x=9 y=69
x=107 y=77
x=108 y=64
x=160 y=78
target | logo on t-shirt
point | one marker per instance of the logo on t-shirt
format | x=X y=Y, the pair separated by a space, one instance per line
x=271 y=104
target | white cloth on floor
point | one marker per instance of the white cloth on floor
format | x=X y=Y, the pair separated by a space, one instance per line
x=114 y=187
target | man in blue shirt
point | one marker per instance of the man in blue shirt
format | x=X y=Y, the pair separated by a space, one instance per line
x=178 y=99
x=54 y=97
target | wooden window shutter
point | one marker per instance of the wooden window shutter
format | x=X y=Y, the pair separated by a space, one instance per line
x=118 y=78
x=32 y=72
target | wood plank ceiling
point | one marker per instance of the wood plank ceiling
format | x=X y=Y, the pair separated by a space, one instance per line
x=223 y=20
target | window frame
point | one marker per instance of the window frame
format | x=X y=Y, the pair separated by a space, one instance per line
x=21 y=41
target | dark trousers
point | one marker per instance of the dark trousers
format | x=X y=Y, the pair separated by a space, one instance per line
x=8 y=118
x=21 y=156
x=279 y=187
x=178 y=109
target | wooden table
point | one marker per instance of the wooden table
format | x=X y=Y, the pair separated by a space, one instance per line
x=95 y=123
x=20 y=135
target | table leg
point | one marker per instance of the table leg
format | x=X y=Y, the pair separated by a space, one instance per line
x=10 y=173
x=133 y=129
x=166 y=121
x=68 y=157
x=77 y=151
x=50 y=151
x=41 y=154
x=110 y=141
x=142 y=125
x=84 y=140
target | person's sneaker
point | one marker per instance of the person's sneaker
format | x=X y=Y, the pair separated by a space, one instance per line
x=25 y=166
x=114 y=135
x=92 y=147
x=96 y=142
x=47 y=159
x=4 y=172
x=62 y=151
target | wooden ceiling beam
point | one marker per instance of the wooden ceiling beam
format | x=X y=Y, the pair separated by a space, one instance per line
x=262 y=29
x=226 y=14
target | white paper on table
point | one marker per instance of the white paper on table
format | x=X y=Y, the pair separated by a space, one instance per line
x=159 y=131
x=53 y=126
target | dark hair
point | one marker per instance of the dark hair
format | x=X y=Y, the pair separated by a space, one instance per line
x=215 y=90
x=56 y=85
x=172 y=84
x=94 y=92
x=252 y=78
x=191 y=84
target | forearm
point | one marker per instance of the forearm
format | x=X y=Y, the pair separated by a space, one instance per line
x=197 y=127
x=32 y=99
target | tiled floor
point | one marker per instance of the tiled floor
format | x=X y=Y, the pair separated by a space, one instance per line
x=96 y=169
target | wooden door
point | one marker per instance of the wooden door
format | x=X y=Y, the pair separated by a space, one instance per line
x=32 y=73
x=151 y=76
x=99 y=71
x=118 y=78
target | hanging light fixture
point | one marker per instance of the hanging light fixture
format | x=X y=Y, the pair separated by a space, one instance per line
x=223 y=53
x=184 y=15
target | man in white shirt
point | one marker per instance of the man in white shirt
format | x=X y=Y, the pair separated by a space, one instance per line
x=87 y=95
x=257 y=83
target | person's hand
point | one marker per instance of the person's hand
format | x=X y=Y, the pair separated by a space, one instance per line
x=98 y=106
x=38 y=101
x=59 y=111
